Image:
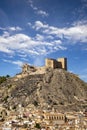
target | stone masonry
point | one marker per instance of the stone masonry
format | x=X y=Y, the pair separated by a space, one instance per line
x=59 y=63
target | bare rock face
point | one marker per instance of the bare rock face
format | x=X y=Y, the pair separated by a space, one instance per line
x=56 y=88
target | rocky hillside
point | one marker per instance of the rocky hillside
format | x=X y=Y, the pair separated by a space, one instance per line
x=56 y=88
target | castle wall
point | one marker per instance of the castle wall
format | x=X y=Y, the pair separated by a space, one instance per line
x=27 y=68
x=49 y=63
x=52 y=63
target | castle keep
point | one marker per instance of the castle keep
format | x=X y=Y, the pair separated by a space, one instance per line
x=59 y=63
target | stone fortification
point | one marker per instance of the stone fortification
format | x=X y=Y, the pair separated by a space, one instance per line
x=27 y=69
x=59 y=63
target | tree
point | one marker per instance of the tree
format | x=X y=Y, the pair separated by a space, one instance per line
x=7 y=76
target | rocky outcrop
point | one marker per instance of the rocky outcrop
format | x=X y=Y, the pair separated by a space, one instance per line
x=55 y=88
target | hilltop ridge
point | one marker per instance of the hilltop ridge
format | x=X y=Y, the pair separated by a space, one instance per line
x=56 y=88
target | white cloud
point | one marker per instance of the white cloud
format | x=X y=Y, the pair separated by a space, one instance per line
x=16 y=28
x=32 y=6
x=6 y=34
x=18 y=62
x=37 y=10
x=29 y=24
x=75 y=33
x=39 y=37
x=38 y=25
x=4 y=49
x=48 y=39
x=21 y=44
x=43 y=13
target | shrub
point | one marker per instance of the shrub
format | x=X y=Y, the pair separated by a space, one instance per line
x=35 y=103
x=6 y=98
x=62 y=103
x=2 y=79
x=7 y=76
x=37 y=126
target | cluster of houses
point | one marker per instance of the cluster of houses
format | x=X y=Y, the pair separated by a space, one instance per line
x=35 y=119
x=30 y=118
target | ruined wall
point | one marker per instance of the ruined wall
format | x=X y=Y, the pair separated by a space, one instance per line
x=27 y=68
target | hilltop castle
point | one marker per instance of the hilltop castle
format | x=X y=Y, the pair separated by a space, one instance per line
x=60 y=63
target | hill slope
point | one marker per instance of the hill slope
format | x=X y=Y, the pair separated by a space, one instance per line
x=56 y=88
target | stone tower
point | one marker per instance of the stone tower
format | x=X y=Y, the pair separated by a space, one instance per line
x=63 y=62
x=51 y=63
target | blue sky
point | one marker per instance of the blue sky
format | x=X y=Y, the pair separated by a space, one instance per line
x=32 y=30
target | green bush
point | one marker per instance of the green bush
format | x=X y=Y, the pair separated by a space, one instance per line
x=37 y=126
x=7 y=76
x=2 y=79
x=9 y=86
x=25 y=125
x=6 y=98
x=35 y=103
